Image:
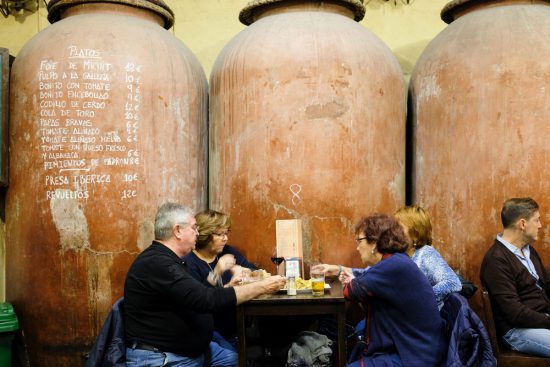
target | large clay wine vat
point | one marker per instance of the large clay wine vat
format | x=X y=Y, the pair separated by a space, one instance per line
x=108 y=120
x=481 y=106
x=307 y=121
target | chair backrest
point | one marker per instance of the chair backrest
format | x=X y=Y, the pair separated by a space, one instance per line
x=489 y=321
x=507 y=357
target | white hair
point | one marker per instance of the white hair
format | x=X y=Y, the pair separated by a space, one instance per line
x=169 y=214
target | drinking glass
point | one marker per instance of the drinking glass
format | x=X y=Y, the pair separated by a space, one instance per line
x=317 y=283
x=277 y=260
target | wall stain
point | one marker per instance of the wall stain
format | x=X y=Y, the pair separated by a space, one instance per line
x=146 y=234
x=325 y=110
x=71 y=224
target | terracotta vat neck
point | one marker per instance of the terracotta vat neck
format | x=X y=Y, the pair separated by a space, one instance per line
x=154 y=10
x=457 y=8
x=258 y=9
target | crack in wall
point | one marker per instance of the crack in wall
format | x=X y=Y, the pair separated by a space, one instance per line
x=95 y=252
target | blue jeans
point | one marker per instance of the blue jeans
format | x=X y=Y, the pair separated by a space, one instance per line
x=230 y=344
x=529 y=341
x=145 y=358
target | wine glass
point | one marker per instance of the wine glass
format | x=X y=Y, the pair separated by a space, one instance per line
x=277 y=260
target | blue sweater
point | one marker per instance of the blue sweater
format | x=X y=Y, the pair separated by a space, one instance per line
x=440 y=275
x=442 y=278
x=402 y=313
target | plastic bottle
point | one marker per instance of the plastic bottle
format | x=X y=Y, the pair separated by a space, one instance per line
x=291 y=287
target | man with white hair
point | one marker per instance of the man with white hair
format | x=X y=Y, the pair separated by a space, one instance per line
x=168 y=314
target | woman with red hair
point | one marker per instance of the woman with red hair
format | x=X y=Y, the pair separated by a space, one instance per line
x=403 y=326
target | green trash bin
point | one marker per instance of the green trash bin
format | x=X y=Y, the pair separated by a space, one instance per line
x=8 y=324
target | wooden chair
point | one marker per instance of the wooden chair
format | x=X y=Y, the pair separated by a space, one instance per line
x=505 y=356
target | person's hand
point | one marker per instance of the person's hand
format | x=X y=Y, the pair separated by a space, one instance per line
x=328 y=269
x=236 y=279
x=272 y=284
x=226 y=262
x=346 y=277
x=239 y=273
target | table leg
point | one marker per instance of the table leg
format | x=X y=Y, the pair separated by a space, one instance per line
x=341 y=317
x=241 y=322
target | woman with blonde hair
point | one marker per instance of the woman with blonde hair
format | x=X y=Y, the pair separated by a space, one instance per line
x=217 y=264
x=418 y=228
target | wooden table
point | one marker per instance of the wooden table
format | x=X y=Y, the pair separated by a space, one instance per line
x=332 y=303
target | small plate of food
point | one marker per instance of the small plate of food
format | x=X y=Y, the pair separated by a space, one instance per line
x=303 y=286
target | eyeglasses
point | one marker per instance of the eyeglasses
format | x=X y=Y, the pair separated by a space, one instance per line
x=222 y=234
x=358 y=240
